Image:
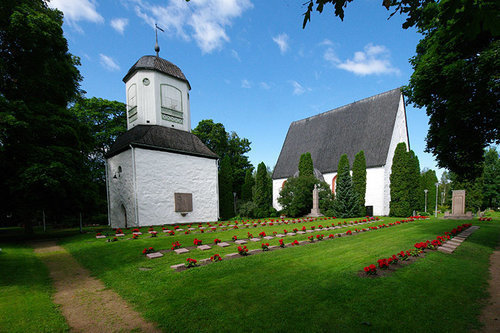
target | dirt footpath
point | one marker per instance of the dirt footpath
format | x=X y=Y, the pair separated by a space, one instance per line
x=86 y=304
x=490 y=316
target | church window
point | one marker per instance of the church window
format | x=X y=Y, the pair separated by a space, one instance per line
x=132 y=102
x=283 y=185
x=334 y=181
x=171 y=104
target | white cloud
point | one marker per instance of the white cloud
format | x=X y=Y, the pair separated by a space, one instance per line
x=265 y=85
x=246 y=84
x=330 y=56
x=77 y=10
x=205 y=21
x=108 y=63
x=235 y=55
x=298 y=89
x=282 y=41
x=374 y=60
x=119 y=24
x=326 y=42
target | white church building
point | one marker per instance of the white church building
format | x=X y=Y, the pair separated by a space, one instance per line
x=375 y=125
x=158 y=172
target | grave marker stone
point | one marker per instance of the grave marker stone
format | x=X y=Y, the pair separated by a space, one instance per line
x=181 y=251
x=154 y=255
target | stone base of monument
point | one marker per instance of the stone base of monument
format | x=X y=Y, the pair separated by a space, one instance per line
x=314 y=213
x=466 y=216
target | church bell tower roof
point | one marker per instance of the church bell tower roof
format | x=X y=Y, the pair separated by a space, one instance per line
x=157 y=64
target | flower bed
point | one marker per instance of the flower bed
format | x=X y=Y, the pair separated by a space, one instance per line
x=419 y=248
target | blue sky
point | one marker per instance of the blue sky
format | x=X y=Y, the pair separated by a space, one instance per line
x=250 y=64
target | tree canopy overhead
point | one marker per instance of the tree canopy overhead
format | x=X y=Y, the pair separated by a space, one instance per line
x=456 y=74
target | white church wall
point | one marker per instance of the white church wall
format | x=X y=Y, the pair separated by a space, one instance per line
x=277 y=185
x=329 y=178
x=374 y=188
x=399 y=134
x=161 y=174
x=121 y=190
x=374 y=195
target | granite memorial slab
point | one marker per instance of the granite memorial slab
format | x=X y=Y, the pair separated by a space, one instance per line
x=178 y=267
x=154 y=255
x=181 y=251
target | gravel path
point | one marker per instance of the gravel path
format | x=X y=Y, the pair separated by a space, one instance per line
x=490 y=316
x=85 y=302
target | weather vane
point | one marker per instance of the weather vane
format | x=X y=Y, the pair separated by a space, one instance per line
x=157 y=47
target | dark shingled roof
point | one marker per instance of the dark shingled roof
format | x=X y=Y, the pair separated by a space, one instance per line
x=157 y=64
x=364 y=125
x=157 y=137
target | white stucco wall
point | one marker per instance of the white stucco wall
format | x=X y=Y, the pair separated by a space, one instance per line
x=161 y=174
x=158 y=175
x=374 y=195
x=149 y=99
x=121 y=190
x=277 y=184
x=399 y=134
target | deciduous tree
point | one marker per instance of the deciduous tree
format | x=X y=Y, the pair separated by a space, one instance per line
x=222 y=143
x=42 y=145
x=456 y=71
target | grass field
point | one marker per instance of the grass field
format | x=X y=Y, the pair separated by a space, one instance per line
x=308 y=288
x=26 y=293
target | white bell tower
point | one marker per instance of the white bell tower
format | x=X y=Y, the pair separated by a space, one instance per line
x=157 y=94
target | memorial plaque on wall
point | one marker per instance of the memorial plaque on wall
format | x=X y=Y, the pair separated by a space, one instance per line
x=183 y=202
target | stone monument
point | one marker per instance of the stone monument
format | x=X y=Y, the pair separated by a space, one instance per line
x=315 y=210
x=458 y=206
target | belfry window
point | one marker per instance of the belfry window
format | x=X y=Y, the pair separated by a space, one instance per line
x=132 y=102
x=171 y=104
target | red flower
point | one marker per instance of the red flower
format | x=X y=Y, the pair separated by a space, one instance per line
x=216 y=258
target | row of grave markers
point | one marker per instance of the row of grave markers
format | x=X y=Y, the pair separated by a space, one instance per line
x=180 y=267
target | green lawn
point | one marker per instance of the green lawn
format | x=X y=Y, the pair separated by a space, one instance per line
x=307 y=288
x=26 y=293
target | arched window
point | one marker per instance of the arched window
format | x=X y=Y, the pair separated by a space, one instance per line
x=334 y=180
x=132 y=102
x=171 y=103
x=283 y=185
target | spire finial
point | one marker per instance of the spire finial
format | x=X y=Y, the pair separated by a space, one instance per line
x=157 y=47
